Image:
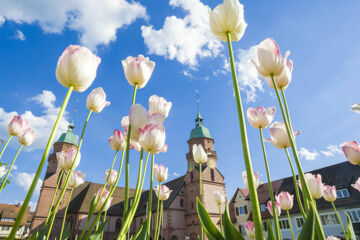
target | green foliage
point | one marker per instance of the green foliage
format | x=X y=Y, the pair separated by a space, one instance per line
x=67 y=232
x=308 y=230
x=97 y=234
x=230 y=231
x=141 y=233
x=271 y=235
x=350 y=230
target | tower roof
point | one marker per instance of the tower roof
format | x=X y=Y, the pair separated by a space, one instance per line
x=200 y=131
x=69 y=136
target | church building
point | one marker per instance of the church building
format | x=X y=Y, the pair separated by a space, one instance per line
x=180 y=220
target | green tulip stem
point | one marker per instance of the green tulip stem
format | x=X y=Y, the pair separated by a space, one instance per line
x=246 y=152
x=66 y=182
x=104 y=219
x=291 y=229
x=40 y=167
x=150 y=195
x=66 y=209
x=54 y=195
x=271 y=191
x=200 y=190
x=8 y=171
x=160 y=219
x=339 y=220
x=127 y=166
x=3 y=149
x=221 y=220
x=295 y=184
x=157 y=210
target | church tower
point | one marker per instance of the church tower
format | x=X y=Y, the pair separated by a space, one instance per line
x=212 y=180
x=67 y=140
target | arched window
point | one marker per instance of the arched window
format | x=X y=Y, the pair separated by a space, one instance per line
x=181 y=202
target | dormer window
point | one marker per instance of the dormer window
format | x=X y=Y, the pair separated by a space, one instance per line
x=342 y=193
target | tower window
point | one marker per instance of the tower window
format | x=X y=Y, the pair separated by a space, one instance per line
x=181 y=202
x=212 y=175
x=191 y=176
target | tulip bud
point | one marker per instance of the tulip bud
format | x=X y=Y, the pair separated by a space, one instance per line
x=285 y=200
x=352 y=152
x=76 y=179
x=65 y=159
x=270 y=62
x=283 y=80
x=329 y=193
x=160 y=172
x=228 y=18
x=356 y=185
x=117 y=141
x=111 y=179
x=27 y=137
x=77 y=67
x=159 y=105
x=2 y=171
x=279 y=136
x=260 y=117
x=102 y=198
x=152 y=138
x=96 y=100
x=17 y=126
x=219 y=198
x=250 y=230
x=277 y=208
x=164 y=193
x=199 y=154
x=315 y=185
x=138 y=118
x=138 y=70
x=256 y=179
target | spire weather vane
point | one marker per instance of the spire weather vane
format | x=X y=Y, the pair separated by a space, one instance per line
x=197 y=95
x=75 y=110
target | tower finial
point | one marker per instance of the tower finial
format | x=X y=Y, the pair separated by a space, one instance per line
x=71 y=125
x=199 y=120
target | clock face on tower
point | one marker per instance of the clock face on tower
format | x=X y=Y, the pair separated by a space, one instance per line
x=191 y=166
x=212 y=164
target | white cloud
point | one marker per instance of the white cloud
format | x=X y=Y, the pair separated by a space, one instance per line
x=19 y=35
x=184 y=39
x=31 y=204
x=176 y=174
x=331 y=150
x=96 y=21
x=24 y=180
x=43 y=124
x=308 y=155
x=249 y=79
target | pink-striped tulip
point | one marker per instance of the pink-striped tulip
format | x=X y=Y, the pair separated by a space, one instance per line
x=285 y=200
x=352 y=152
x=279 y=136
x=27 y=137
x=2 y=171
x=315 y=185
x=283 y=80
x=96 y=100
x=256 y=179
x=329 y=193
x=138 y=118
x=159 y=105
x=277 y=208
x=111 y=176
x=250 y=230
x=356 y=185
x=152 y=138
x=76 y=178
x=164 y=193
x=77 y=67
x=125 y=124
x=260 y=117
x=17 y=126
x=102 y=198
x=160 y=172
x=138 y=70
x=65 y=159
x=117 y=141
x=269 y=59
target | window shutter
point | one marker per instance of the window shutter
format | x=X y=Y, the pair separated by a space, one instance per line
x=237 y=211
x=246 y=210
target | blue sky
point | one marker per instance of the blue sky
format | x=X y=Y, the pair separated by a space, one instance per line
x=323 y=42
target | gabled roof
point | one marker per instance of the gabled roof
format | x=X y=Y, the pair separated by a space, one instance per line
x=11 y=211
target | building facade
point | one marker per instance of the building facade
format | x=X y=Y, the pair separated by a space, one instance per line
x=239 y=209
x=180 y=219
x=8 y=213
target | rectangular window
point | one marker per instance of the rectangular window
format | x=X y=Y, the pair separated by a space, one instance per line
x=262 y=208
x=239 y=196
x=342 y=193
x=265 y=226
x=299 y=222
x=354 y=215
x=242 y=230
x=329 y=219
x=242 y=210
x=284 y=224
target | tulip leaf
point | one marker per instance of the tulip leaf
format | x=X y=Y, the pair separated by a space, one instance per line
x=97 y=234
x=141 y=232
x=210 y=229
x=230 y=231
x=67 y=232
x=308 y=230
x=271 y=235
x=40 y=236
x=350 y=229
x=92 y=207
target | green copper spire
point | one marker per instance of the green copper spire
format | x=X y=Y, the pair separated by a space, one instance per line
x=200 y=131
x=69 y=136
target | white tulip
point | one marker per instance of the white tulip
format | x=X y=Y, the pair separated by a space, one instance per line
x=65 y=159
x=152 y=138
x=77 y=67
x=159 y=105
x=96 y=100
x=138 y=118
x=164 y=193
x=315 y=185
x=2 y=171
x=27 y=137
x=219 y=197
x=279 y=136
x=112 y=178
x=138 y=70
x=283 y=80
x=160 y=173
x=76 y=178
x=199 y=154
x=17 y=126
x=256 y=179
x=260 y=117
